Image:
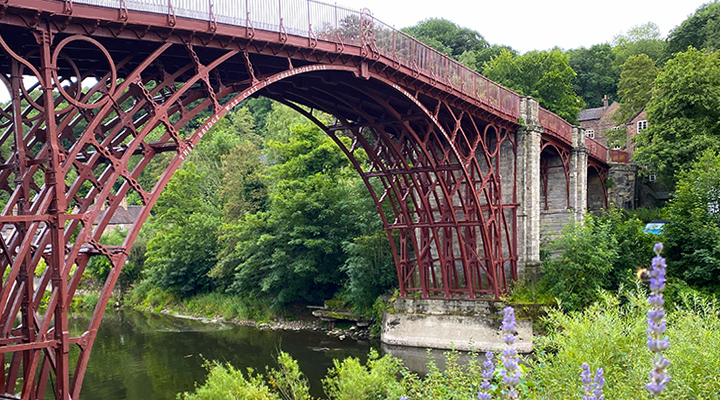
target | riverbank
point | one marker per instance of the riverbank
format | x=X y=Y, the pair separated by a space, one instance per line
x=221 y=308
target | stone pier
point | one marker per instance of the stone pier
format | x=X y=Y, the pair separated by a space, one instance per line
x=451 y=324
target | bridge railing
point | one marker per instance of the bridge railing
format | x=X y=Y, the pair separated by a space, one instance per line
x=556 y=124
x=317 y=20
x=597 y=150
x=619 y=156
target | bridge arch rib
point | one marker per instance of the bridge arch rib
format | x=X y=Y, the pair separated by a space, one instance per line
x=436 y=165
x=440 y=144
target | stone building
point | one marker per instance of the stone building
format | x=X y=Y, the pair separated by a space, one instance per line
x=598 y=121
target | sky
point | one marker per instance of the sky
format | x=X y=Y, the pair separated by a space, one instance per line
x=533 y=24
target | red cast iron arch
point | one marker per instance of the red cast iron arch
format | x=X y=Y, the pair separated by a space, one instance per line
x=440 y=140
x=435 y=186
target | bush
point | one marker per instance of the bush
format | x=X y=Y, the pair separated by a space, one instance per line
x=350 y=380
x=604 y=253
x=370 y=268
x=612 y=335
x=586 y=254
x=224 y=382
x=692 y=238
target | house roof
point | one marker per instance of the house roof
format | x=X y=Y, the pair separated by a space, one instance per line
x=592 y=113
x=635 y=116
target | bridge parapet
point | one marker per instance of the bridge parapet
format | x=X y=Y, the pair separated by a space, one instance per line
x=597 y=150
x=343 y=26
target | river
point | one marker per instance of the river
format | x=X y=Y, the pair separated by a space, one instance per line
x=143 y=356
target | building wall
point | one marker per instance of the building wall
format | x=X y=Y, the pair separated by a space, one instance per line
x=603 y=124
x=631 y=128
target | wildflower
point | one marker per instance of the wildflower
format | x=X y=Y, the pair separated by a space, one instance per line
x=656 y=325
x=487 y=374
x=511 y=375
x=592 y=387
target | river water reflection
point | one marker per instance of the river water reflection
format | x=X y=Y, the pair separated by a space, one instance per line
x=141 y=356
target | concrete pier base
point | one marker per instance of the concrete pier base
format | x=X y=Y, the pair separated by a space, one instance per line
x=451 y=324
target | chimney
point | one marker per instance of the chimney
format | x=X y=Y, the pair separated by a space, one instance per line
x=605 y=101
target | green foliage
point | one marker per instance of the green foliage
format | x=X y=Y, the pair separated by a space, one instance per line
x=641 y=39
x=530 y=292
x=179 y=259
x=377 y=379
x=701 y=30
x=585 y=255
x=227 y=306
x=604 y=253
x=647 y=214
x=370 y=268
x=476 y=59
x=293 y=251
x=611 y=335
x=544 y=75
x=447 y=37
x=287 y=379
x=683 y=115
x=597 y=76
x=244 y=188
x=692 y=238
x=99 y=267
x=224 y=382
x=84 y=301
x=635 y=87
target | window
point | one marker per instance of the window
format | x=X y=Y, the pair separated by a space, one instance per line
x=641 y=125
x=651 y=178
x=590 y=133
x=616 y=128
x=616 y=147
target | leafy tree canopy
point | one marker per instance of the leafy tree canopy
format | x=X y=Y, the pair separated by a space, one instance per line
x=293 y=251
x=447 y=37
x=635 y=87
x=544 y=75
x=683 y=114
x=597 y=75
x=476 y=59
x=701 y=30
x=640 y=39
x=692 y=238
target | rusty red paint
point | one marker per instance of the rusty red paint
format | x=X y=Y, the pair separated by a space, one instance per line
x=435 y=164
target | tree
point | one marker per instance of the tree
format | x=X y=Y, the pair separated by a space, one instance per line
x=447 y=37
x=683 y=115
x=635 y=87
x=692 y=238
x=586 y=254
x=597 y=76
x=641 y=39
x=293 y=250
x=184 y=250
x=544 y=75
x=188 y=213
x=701 y=30
x=476 y=59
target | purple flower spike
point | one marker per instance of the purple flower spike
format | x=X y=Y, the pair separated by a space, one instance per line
x=592 y=386
x=656 y=341
x=511 y=374
x=487 y=374
x=403 y=398
x=658 y=248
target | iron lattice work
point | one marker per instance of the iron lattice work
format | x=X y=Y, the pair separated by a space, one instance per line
x=99 y=96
